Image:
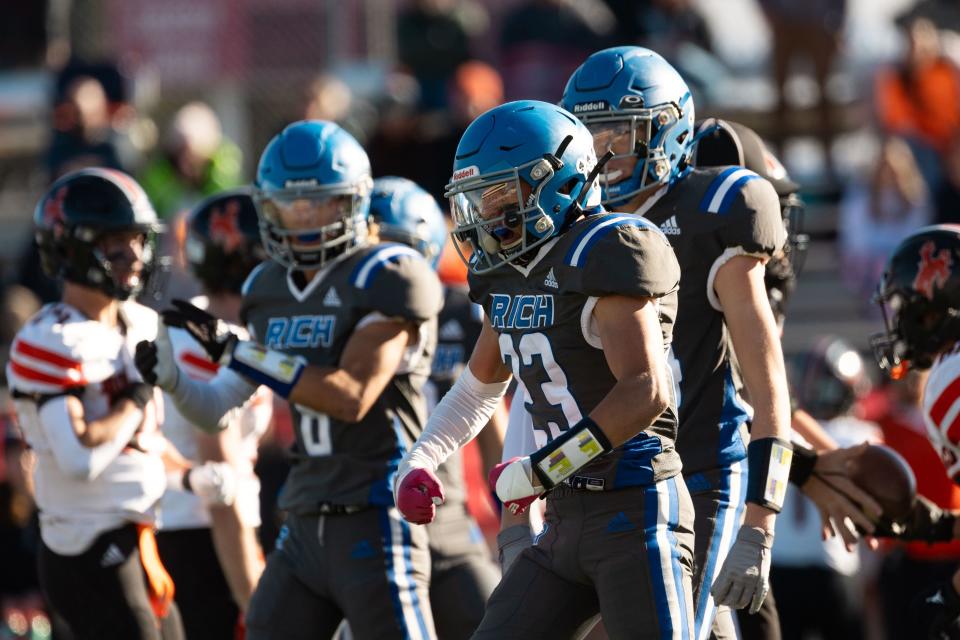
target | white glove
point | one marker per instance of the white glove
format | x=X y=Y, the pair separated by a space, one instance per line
x=745 y=576
x=215 y=483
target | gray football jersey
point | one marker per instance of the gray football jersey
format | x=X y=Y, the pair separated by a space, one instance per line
x=335 y=462
x=543 y=313
x=709 y=216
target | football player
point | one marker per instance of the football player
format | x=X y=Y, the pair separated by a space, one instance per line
x=919 y=296
x=724 y=143
x=462 y=576
x=210 y=548
x=89 y=417
x=579 y=309
x=340 y=326
x=724 y=224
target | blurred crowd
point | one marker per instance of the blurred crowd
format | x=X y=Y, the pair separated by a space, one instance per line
x=456 y=59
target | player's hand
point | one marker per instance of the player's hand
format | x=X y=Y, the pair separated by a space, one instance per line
x=744 y=578
x=215 y=483
x=512 y=481
x=155 y=362
x=844 y=507
x=926 y=521
x=418 y=492
x=936 y=612
x=510 y=544
x=208 y=330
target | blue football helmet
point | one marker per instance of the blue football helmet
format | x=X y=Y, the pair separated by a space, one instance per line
x=406 y=213
x=637 y=106
x=312 y=194
x=523 y=173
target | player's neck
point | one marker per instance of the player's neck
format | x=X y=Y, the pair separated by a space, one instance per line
x=225 y=306
x=92 y=303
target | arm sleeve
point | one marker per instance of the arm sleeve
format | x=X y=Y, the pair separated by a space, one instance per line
x=210 y=406
x=456 y=420
x=75 y=460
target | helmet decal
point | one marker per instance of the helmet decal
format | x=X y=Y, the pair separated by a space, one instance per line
x=224 y=228
x=932 y=271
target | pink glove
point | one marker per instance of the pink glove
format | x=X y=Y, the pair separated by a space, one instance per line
x=418 y=495
x=515 y=488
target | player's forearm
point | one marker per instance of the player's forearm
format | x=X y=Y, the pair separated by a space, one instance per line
x=124 y=417
x=631 y=406
x=457 y=419
x=208 y=406
x=238 y=552
x=338 y=393
x=811 y=431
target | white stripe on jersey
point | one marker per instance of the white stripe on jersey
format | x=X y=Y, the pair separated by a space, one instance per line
x=724 y=187
x=575 y=260
x=379 y=257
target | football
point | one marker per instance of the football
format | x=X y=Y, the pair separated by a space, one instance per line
x=885 y=475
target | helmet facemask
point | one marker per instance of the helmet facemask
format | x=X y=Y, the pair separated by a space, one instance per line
x=307 y=228
x=499 y=217
x=915 y=332
x=637 y=138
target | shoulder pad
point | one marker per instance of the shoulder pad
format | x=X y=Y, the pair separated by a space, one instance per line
x=46 y=355
x=750 y=210
x=398 y=282
x=617 y=254
x=249 y=286
x=253 y=275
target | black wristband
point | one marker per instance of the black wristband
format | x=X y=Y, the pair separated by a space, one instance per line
x=804 y=461
x=186 y=480
x=560 y=464
x=768 y=471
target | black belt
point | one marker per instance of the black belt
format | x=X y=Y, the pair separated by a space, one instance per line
x=327 y=509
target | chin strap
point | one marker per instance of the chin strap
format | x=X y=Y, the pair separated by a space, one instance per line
x=576 y=209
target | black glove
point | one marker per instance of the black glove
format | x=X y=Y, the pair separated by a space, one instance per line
x=206 y=329
x=145 y=359
x=140 y=392
x=936 y=613
x=926 y=522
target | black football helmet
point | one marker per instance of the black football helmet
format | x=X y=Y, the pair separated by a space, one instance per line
x=77 y=212
x=830 y=378
x=919 y=295
x=223 y=241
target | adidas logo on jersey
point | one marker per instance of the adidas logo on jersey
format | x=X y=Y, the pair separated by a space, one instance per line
x=451 y=330
x=331 y=299
x=112 y=556
x=551 y=280
x=670 y=227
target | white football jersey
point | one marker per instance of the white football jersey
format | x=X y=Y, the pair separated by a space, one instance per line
x=181 y=509
x=61 y=351
x=941 y=409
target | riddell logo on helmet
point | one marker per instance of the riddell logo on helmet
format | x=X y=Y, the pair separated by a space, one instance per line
x=466 y=172
x=596 y=105
x=932 y=270
x=308 y=182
